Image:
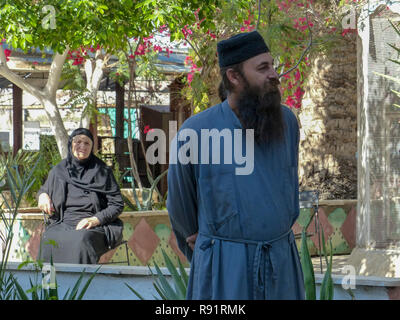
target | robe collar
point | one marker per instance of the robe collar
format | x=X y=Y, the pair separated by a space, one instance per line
x=230 y=115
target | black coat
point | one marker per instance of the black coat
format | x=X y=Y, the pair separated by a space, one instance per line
x=106 y=198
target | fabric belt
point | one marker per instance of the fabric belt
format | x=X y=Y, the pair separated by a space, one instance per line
x=262 y=248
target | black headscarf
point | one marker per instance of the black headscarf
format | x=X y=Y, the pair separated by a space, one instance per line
x=90 y=174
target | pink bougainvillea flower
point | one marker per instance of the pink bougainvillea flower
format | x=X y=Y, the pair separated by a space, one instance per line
x=147 y=129
x=297 y=75
x=190 y=77
x=290 y=102
x=346 y=31
x=299 y=93
x=7 y=53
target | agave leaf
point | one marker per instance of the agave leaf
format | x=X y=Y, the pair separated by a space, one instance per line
x=66 y=294
x=76 y=287
x=183 y=273
x=327 y=283
x=21 y=293
x=134 y=291
x=395 y=61
x=13 y=186
x=308 y=270
x=387 y=77
x=33 y=290
x=394 y=27
x=324 y=246
x=160 y=291
x=180 y=285
x=170 y=294
x=86 y=286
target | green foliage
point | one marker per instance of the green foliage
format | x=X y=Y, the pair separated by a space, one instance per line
x=21 y=160
x=50 y=292
x=47 y=158
x=286 y=42
x=163 y=287
x=18 y=184
x=396 y=28
x=147 y=202
x=43 y=161
x=308 y=269
x=327 y=289
x=108 y=23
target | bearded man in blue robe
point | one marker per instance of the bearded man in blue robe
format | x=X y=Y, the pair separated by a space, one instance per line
x=233 y=222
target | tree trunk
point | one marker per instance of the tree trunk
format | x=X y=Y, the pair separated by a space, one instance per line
x=57 y=125
x=47 y=96
x=93 y=78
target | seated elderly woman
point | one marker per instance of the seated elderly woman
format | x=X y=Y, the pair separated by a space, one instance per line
x=83 y=202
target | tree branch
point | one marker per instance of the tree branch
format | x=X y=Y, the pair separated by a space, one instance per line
x=259 y=14
x=16 y=79
x=305 y=51
x=55 y=73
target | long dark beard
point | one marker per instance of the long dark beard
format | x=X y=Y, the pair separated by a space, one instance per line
x=260 y=109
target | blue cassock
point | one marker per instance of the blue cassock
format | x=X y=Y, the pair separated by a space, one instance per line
x=245 y=248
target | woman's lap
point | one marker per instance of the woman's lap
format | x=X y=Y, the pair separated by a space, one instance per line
x=67 y=245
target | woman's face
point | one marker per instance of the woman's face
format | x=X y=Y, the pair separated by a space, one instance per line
x=81 y=146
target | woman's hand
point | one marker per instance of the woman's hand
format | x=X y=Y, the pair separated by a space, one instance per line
x=45 y=204
x=88 y=223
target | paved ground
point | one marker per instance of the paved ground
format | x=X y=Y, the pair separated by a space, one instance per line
x=338 y=263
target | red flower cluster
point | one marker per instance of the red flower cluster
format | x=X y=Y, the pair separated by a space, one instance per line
x=346 y=31
x=7 y=54
x=247 y=24
x=301 y=24
x=294 y=100
x=186 y=31
x=147 y=46
x=80 y=55
x=193 y=69
x=286 y=4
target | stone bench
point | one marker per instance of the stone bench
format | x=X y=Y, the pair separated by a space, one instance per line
x=147 y=232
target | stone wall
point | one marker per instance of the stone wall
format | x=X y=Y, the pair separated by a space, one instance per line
x=328 y=120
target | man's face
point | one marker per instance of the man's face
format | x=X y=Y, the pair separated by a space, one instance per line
x=259 y=99
x=260 y=74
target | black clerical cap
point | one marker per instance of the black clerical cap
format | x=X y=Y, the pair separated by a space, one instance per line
x=240 y=47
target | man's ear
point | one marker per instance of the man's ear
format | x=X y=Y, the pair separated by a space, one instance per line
x=234 y=77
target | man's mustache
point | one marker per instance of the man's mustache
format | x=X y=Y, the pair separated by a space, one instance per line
x=273 y=86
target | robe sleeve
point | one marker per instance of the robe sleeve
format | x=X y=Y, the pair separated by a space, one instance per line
x=296 y=163
x=45 y=188
x=182 y=201
x=115 y=203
